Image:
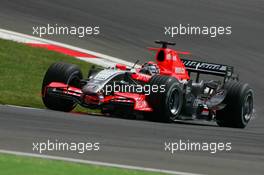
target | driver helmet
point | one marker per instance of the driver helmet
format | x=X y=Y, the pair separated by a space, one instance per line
x=150 y=68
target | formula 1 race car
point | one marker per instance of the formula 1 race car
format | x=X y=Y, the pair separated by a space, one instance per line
x=170 y=89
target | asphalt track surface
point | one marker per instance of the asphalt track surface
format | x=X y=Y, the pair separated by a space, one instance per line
x=127 y=27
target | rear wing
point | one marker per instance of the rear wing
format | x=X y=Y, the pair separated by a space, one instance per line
x=200 y=67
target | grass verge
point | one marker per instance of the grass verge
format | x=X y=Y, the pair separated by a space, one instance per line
x=22 y=69
x=11 y=165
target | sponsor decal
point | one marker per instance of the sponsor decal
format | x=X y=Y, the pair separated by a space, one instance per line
x=206 y=66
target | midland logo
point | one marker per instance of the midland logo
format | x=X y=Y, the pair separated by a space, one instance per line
x=200 y=65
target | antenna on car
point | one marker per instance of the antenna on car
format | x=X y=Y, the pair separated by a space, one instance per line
x=134 y=64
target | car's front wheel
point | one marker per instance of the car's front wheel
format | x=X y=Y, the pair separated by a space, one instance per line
x=65 y=73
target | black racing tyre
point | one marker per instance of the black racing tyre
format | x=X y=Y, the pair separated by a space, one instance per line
x=167 y=102
x=239 y=106
x=61 y=72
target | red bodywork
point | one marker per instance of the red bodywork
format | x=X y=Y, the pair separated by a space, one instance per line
x=169 y=63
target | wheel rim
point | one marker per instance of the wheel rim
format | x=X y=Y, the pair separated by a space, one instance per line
x=174 y=102
x=247 y=108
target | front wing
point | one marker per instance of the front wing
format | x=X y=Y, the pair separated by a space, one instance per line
x=64 y=91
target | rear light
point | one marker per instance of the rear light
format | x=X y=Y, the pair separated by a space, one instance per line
x=205 y=112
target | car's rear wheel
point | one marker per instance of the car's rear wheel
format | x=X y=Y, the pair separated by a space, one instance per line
x=239 y=106
x=167 y=102
x=65 y=73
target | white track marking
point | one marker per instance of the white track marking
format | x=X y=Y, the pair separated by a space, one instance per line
x=98 y=61
x=102 y=60
x=22 y=107
x=106 y=60
x=94 y=162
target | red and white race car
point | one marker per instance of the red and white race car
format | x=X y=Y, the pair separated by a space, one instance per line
x=161 y=91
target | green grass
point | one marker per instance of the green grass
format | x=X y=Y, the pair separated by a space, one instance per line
x=22 y=69
x=13 y=165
